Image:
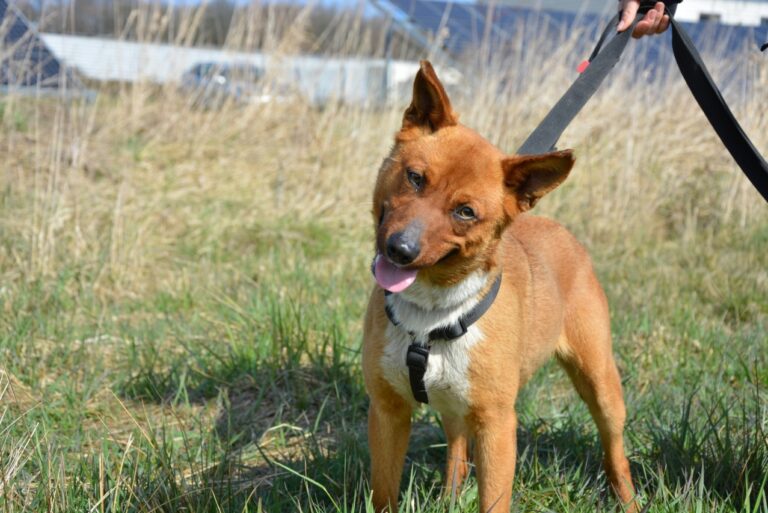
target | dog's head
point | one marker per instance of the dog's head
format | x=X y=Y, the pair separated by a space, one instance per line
x=445 y=195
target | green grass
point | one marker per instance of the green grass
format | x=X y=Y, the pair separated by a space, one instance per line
x=247 y=395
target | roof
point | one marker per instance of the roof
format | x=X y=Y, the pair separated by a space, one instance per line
x=456 y=28
x=24 y=59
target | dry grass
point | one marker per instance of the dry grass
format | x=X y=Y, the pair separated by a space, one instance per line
x=118 y=184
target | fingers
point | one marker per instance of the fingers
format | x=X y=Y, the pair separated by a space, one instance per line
x=664 y=25
x=628 y=9
x=654 y=22
x=646 y=25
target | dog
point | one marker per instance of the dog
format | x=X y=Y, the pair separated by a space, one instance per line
x=473 y=294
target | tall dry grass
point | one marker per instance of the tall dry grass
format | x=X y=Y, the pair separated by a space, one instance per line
x=113 y=190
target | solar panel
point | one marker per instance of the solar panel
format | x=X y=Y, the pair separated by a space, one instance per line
x=460 y=28
x=24 y=59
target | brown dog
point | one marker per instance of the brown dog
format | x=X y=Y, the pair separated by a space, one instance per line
x=450 y=224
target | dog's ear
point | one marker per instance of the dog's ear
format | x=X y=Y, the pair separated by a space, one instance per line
x=430 y=107
x=529 y=177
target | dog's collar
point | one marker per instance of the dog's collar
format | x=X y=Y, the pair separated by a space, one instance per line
x=418 y=354
x=459 y=327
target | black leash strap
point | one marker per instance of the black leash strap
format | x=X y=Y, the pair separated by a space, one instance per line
x=602 y=61
x=719 y=115
x=417 y=356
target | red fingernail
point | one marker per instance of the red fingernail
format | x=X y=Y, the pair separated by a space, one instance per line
x=582 y=66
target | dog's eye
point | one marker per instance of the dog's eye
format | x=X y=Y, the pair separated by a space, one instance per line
x=465 y=213
x=415 y=178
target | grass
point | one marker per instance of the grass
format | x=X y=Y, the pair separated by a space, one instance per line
x=249 y=395
x=181 y=294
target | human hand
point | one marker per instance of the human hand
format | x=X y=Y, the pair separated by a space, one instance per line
x=654 y=21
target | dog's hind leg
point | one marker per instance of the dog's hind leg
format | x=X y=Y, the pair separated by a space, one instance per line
x=457 y=466
x=585 y=353
x=389 y=426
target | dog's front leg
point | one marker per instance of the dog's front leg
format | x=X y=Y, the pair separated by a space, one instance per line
x=495 y=454
x=389 y=426
x=457 y=465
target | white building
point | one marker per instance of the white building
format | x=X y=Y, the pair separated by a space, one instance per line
x=318 y=79
x=751 y=13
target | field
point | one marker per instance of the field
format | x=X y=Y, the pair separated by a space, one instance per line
x=181 y=295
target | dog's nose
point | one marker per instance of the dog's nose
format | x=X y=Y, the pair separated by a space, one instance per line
x=402 y=248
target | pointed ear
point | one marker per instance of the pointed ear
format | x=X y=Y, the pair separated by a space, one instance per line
x=529 y=177
x=430 y=107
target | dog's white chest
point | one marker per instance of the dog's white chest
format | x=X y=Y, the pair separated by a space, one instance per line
x=421 y=309
x=446 y=379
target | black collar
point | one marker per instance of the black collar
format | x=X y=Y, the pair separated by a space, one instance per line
x=460 y=326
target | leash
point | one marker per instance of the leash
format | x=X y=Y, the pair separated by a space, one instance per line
x=418 y=354
x=707 y=95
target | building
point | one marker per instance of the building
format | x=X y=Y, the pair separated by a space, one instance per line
x=751 y=13
x=25 y=61
x=317 y=79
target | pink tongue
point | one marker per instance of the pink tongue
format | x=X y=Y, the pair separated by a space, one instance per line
x=391 y=277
